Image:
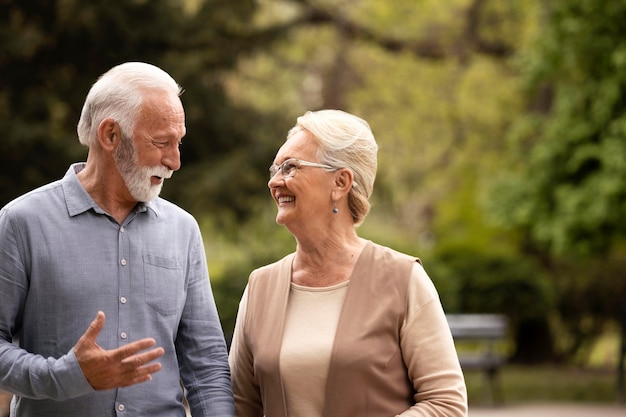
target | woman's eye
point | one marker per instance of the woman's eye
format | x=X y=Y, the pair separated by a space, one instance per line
x=289 y=167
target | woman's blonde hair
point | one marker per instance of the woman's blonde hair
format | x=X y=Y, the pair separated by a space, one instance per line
x=346 y=141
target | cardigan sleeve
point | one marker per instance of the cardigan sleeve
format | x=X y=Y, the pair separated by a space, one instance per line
x=429 y=353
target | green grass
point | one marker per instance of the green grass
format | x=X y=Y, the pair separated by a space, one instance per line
x=522 y=384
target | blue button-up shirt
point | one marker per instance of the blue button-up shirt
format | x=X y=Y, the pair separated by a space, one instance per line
x=62 y=258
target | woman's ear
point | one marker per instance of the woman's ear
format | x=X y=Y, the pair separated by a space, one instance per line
x=344 y=179
x=109 y=134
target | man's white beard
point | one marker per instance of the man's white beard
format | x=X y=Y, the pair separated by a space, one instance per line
x=138 y=179
x=139 y=182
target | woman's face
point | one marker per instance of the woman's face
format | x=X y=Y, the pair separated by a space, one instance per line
x=305 y=198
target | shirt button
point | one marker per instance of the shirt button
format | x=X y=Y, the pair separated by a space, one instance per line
x=123 y=300
x=123 y=335
x=123 y=262
x=122 y=229
x=120 y=407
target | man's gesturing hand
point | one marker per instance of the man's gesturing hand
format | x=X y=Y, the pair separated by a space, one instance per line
x=121 y=367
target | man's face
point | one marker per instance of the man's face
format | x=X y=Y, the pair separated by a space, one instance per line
x=152 y=154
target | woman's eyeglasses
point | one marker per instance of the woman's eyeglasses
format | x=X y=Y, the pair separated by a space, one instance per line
x=289 y=167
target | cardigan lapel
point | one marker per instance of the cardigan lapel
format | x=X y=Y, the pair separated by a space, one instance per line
x=274 y=296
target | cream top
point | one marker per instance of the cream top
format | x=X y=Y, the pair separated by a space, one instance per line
x=311 y=323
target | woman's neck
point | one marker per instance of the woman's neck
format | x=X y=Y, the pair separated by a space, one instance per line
x=327 y=263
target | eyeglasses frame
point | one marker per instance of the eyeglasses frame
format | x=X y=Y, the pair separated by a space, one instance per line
x=275 y=169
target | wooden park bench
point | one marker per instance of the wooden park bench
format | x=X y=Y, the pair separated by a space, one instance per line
x=481 y=332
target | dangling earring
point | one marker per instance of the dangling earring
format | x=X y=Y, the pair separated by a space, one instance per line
x=335 y=210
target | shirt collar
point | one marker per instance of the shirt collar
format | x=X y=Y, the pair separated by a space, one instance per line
x=79 y=201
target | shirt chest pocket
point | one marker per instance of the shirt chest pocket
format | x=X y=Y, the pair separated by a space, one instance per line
x=163 y=283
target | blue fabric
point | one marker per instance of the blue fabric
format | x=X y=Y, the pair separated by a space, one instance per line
x=61 y=260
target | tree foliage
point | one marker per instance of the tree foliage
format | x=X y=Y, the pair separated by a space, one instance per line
x=52 y=51
x=566 y=186
x=569 y=190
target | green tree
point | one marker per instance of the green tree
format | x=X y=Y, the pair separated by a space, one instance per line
x=566 y=189
x=52 y=51
x=570 y=188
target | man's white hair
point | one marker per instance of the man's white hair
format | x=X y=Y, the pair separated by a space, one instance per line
x=118 y=94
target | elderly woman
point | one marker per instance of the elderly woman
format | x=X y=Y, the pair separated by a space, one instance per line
x=342 y=327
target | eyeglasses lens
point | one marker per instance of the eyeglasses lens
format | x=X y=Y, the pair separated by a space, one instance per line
x=288 y=168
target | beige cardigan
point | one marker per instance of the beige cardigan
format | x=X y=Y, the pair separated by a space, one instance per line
x=369 y=373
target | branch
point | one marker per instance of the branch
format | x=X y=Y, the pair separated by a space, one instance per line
x=433 y=48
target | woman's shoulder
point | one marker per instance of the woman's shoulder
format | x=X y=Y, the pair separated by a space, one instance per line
x=386 y=253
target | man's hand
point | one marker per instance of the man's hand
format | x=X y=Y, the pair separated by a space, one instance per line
x=121 y=367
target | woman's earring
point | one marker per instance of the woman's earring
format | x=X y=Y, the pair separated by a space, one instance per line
x=335 y=210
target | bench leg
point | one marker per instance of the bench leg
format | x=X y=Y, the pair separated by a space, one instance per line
x=493 y=388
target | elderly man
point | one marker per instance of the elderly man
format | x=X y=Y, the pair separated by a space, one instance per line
x=105 y=302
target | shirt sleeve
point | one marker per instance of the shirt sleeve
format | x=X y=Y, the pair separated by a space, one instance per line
x=200 y=344
x=429 y=353
x=22 y=373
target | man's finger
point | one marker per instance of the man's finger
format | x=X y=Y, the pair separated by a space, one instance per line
x=139 y=368
x=142 y=371
x=94 y=329
x=150 y=355
x=133 y=348
x=141 y=359
x=142 y=374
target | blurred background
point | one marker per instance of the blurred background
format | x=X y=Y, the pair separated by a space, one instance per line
x=501 y=126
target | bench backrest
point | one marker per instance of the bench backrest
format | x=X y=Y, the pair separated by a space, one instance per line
x=478 y=326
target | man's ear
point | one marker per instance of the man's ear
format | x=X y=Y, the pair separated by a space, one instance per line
x=109 y=134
